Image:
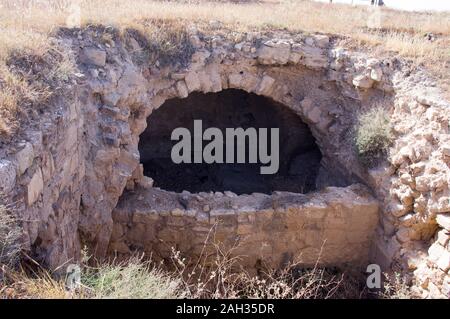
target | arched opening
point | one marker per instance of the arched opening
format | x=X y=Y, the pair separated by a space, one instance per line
x=298 y=154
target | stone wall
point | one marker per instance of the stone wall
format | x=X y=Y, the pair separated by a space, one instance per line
x=67 y=175
x=333 y=227
x=42 y=179
x=414 y=188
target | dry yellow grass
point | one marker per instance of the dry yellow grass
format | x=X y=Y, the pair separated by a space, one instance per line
x=26 y=25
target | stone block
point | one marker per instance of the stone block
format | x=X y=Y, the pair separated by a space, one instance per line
x=265 y=85
x=444 y=221
x=93 y=56
x=7 y=176
x=24 y=158
x=274 y=52
x=35 y=187
x=182 y=89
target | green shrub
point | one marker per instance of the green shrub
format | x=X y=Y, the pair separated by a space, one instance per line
x=136 y=279
x=373 y=136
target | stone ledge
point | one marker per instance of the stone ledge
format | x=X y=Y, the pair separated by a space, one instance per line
x=334 y=226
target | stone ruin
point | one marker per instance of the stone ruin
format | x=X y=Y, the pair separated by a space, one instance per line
x=95 y=172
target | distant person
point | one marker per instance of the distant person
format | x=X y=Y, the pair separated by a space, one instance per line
x=376 y=2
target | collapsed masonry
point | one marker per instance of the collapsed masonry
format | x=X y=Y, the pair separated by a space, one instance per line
x=77 y=179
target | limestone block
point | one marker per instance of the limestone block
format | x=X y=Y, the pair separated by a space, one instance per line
x=35 y=187
x=442 y=205
x=444 y=221
x=216 y=81
x=443 y=237
x=274 y=52
x=265 y=85
x=93 y=56
x=423 y=183
x=7 y=176
x=205 y=82
x=321 y=40
x=444 y=261
x=435 y=252
x=235 y=80
x=307 y=105
x=309 y=41
x=296 y=54
x=376 y=74
x=362 y=81
x=314 y=115
x=146 y=182
x=249 y=82
x=25 y=158
x=192 y=82
x=182 y=89
x=130 y=83
x=311 y=57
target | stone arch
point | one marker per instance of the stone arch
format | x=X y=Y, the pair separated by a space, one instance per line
x=260 y=81
x=302 y=82
x=312 y=97
x=296 y=164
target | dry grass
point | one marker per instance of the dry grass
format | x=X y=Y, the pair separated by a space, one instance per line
x=140 y=279
x=15 y=93
x=219 y=276
x=27 y=26
x=10 y=234
x=41 y=17
x=216 y=273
